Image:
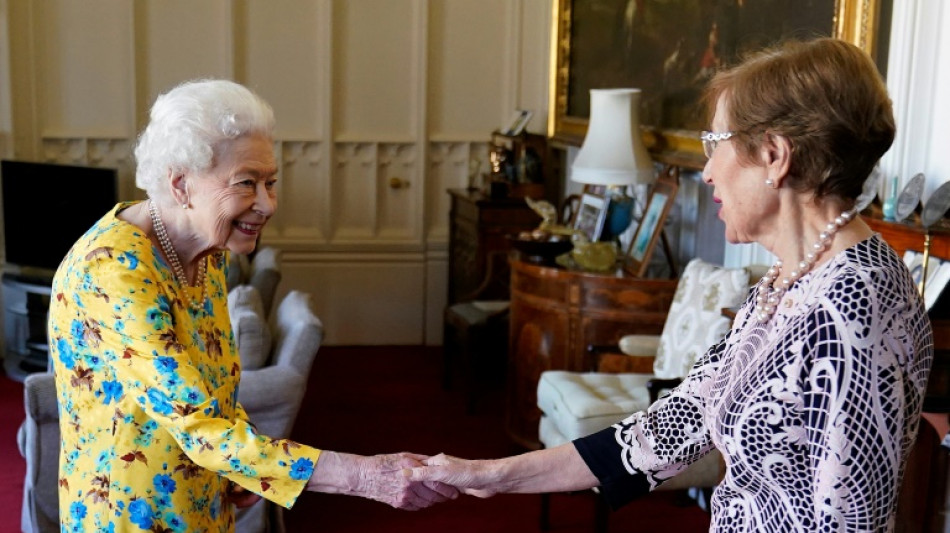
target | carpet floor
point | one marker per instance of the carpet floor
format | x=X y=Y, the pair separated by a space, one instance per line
x=372 y=400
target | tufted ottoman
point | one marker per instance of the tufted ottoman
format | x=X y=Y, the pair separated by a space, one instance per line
x=576 y=404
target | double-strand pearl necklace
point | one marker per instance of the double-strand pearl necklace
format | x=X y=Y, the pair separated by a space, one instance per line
x=172 y=256
x=767 y=299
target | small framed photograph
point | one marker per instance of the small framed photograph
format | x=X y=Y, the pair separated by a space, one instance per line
x=651 y=225
x=590 y=215
x=518 y=123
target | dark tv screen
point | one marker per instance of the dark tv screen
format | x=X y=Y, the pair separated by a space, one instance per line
x=47 y=207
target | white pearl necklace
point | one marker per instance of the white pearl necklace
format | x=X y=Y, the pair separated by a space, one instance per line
x=172 y=256
x=767 y=298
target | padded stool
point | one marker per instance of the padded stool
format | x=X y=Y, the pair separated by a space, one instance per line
x=575 y=404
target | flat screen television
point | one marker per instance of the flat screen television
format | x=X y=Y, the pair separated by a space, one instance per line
x=47 y=207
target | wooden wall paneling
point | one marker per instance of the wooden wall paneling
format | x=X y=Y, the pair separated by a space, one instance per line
x=450 y=164
x=398 y=209
x=387 y=309
x=184 y=40
x=469 y=76
x=301 y=194
x=83 y=47
x=374 y=65
x=285 y=45
x=353 y=192
x=6 y=109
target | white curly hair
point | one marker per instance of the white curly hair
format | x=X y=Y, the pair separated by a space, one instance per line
x=187 y=122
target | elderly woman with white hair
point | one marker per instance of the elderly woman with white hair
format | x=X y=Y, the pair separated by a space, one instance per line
x=147 y=370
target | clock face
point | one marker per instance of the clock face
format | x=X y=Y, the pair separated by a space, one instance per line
x=869 y=191
x=936 y=205
x=909 y=198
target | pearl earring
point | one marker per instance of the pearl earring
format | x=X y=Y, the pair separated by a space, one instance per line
x=769 y=182
x=184 y=206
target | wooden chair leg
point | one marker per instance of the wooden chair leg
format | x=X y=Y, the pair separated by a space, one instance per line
x=601 y=515
x=448 y=355
x=545 y=522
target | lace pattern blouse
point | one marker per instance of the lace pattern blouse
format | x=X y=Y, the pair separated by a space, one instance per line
x=814 y=411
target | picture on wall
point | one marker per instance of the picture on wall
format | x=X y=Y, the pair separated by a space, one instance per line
x=671 y=48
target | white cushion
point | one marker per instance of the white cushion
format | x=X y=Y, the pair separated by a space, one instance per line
x=251 y=332
x=578 y=404
x=695 y=321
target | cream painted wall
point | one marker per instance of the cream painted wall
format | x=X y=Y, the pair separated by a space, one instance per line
x=381 y=106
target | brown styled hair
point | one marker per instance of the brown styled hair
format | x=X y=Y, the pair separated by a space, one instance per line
x=825 y=96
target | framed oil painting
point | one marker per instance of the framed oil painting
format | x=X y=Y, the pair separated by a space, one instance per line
x=670 y=48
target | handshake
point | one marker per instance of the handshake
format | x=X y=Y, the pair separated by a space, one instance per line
x=403 y=480
x=409 y=481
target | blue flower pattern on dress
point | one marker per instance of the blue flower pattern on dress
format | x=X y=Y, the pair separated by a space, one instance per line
x=151 y=428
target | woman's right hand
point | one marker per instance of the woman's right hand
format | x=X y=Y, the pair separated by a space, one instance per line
x=384 y=478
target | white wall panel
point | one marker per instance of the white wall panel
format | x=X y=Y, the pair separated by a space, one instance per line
x=469 y=68
x=85 y=47
x=375 y=69
x=284 y=63
x=301 y=193
x=182 y=40
x=354 y=199
x=398 y=204
x=367 y=302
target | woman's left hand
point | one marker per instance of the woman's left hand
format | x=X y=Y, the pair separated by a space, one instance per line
x=240 y=496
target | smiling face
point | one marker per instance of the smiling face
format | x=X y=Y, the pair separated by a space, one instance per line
x=233 y=199
x=747 y=204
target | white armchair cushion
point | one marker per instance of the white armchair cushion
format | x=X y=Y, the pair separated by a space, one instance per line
x=695 y=321
x=579 y=404
x=251 y=332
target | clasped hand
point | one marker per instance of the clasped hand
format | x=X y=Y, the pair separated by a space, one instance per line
x=386 y=478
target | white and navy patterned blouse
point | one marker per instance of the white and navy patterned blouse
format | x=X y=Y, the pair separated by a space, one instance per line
x=814 y=411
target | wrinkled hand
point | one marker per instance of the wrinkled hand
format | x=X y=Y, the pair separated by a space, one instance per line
x=474 y=478
x=240 y=496
x=384 y=478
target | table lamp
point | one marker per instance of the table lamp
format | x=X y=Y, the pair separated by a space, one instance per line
x=613 y=154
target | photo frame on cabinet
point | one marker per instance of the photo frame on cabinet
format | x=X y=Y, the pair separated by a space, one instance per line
x=590 y=216
x=651 y=224
x=518 y=123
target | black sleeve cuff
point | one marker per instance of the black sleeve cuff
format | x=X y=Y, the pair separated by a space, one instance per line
x=602 y=454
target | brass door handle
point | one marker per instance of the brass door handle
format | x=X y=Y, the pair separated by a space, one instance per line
x=398 y=183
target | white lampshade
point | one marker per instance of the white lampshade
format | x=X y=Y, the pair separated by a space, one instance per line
x=613 y=152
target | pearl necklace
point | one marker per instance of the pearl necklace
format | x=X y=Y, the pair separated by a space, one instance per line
x=767 y=298
x=172 y=256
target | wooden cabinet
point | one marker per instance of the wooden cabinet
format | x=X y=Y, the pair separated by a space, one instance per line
x=479 y=225
x=556 y=314
x=924 y=502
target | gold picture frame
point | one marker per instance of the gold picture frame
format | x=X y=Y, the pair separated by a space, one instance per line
x=852 y=20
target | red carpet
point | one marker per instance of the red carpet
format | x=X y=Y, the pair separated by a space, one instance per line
x=14 y=467
x=383 y=399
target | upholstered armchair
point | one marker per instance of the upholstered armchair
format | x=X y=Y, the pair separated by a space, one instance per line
x=261 y=271
x=276 y=358
x=634 y=375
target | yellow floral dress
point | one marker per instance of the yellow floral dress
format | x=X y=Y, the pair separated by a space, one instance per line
x=147 y=387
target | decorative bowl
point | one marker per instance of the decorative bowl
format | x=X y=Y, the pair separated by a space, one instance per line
x=541 y=251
